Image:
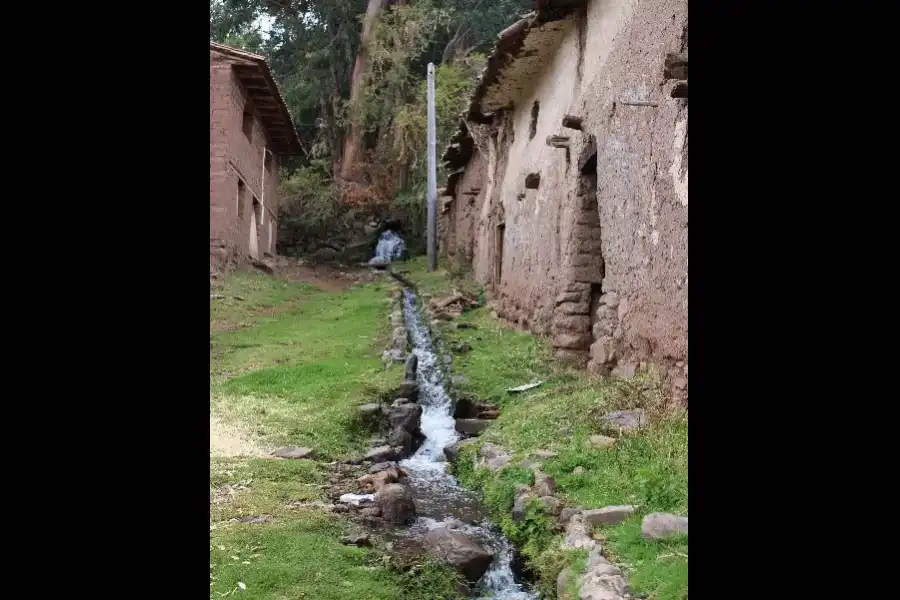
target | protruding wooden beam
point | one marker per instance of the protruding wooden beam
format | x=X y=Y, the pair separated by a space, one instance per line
x=572 y=122
x=532 y=181
x=680 y=90
x=558 y=141
x=675 y=66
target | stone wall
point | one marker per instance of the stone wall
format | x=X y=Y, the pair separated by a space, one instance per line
x=581 y=233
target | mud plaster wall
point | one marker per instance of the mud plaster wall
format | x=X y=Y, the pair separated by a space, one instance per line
x=614 y=53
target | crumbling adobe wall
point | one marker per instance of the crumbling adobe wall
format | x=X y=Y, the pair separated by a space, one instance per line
x=457 y=218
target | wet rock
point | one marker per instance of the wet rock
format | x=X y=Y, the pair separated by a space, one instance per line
x=544 y=485
x=625 y=420
x=602 y=580
x=361 y=541
x=396 y=503
x=412 y=364
x=293 y=452
x=609 y=515
x=657 y=526
x=562 y=582
x=408 y=389
x=492 y=457
x=452 y=451
x=578 y=536
x=578 y=471
x=401 y=441
x=381 y=454
x=382 y=466
x=471 y=426
x=601 y=442
x=406 y=416
x=552 y=505
x=459 y=551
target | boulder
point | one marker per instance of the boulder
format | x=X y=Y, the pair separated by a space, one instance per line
x=396 y=503
x=452 y=451
x=408 y=389
x=657 y=526
x=381 y=454
x=471 y=426
x=412 y=364
x=492 y=457
x=293 y=452
x=610 y=515
x=459 y=551
x=406 y=417
x=625 y=420
x=401 y=441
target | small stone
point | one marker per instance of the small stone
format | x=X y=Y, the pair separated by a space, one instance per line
x=361 y=541
x=566 y=514
x=368 y=410
x=544 y=485
x=293 y=452
x=657 y=526
x=462 y=348
x=601 y=442
x=577 y=535
x=381 y=454
x=531 y=464
x=523 y=492
x=552 y=505
x=459 y=380
x=680 y=383
x=340 y=508
x=578 y=471
x=610 y=515
x=492 y=457
x=625 y=420
x=545 y=454
x=471 y=426
x=573 y=308
x=573 y=341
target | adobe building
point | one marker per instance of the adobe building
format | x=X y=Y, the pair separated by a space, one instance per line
x=249 y=129
x=568 y=191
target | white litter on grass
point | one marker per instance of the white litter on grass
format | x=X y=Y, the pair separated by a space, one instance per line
x=357 y=499
x=524 y=388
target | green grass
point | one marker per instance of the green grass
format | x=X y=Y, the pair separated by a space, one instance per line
x=289 y=363
x=299 y=360
x=648 y=469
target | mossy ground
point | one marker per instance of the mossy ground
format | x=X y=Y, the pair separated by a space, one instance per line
x=648 y=468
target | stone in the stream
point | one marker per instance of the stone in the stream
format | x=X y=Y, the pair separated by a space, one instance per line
x=412 y=364
x=381 y=454
x=402 y=441
x=602 y=580
x=578 y=535
x=657 y=526
x=452 y=451
x=471 y=426
x=396 y=503
x=295 y=453
x=408 y=389
x=544 y=485
x=601 y=442
x=382 y=466
x=492 y=457
x=609 y=515
x=362 y=540
x=459 y=551
x=406 y=417
x=625 y=420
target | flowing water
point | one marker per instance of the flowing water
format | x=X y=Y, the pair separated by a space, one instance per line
x=439 y=498
x=390 y=247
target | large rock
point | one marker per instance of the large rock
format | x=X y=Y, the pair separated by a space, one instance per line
x=471 y=426
x=402 y=441
x=295 y=453
x=396 y=503
x=602 y=580
x=458 y=550
x=609 y=515
x=381 y=454
x=452 y=451
x=406 y=416
x=408 y=389
x=492 y=457
x=412 y=364
x=657 y=526
x=625 y=420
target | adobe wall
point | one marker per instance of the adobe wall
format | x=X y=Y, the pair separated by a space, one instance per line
x=596 y=255
x=232 y=158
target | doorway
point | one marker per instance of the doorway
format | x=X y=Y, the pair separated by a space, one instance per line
x=498 y=253
x=254 y=230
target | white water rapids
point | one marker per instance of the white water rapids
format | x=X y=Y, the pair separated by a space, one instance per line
x=438 y=496
x=390 y=248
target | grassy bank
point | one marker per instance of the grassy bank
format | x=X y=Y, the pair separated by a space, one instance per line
x=648 y=468
x=288 y=365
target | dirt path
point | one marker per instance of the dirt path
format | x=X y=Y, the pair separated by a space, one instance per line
x=226 y=439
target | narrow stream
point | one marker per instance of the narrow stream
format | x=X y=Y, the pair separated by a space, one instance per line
x=438 y=496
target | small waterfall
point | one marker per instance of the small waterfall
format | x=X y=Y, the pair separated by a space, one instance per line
x=390 y=248
x=439 y=497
